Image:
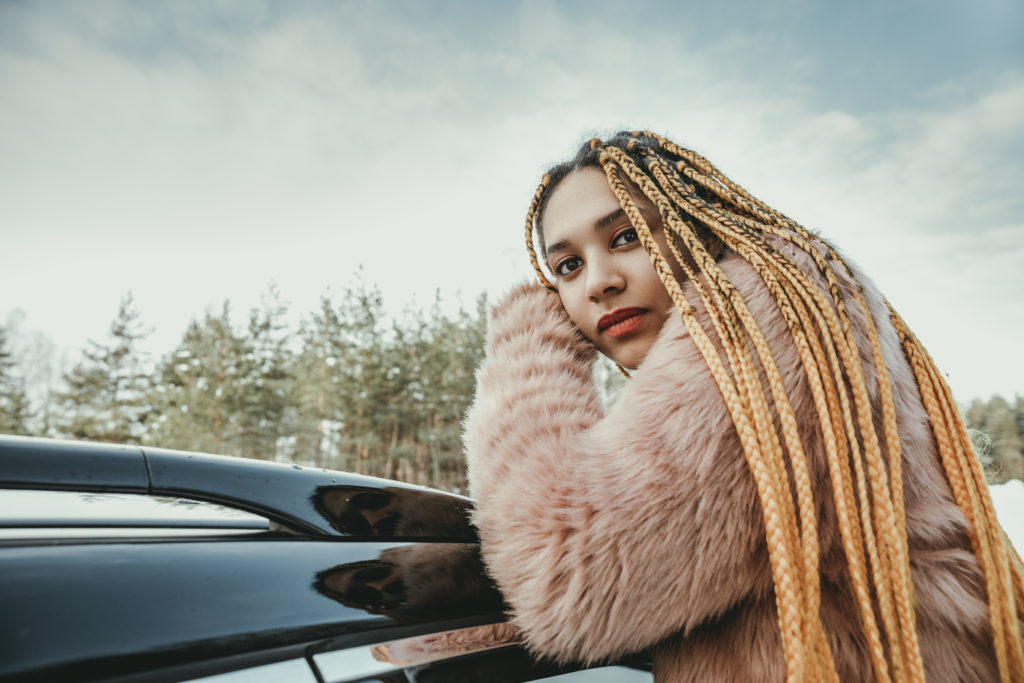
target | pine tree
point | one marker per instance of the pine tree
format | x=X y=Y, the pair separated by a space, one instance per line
x=1007 y=446
x=975 y=418
x=15 y=412
x=1018 y=412
x=365 y=385
x=106 y=393
x=321 y=390
x=199 y=389
x=265 y=385
x=975 y=415
x=407 y=361
x=461 y=345
x=441 y=354
x=998 y=435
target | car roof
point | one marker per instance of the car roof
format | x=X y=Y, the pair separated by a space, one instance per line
x=309 y=501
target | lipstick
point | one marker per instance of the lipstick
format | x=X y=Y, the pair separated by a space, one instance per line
x=621 y=322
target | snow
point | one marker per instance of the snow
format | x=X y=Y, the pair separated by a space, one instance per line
x=1008 y=499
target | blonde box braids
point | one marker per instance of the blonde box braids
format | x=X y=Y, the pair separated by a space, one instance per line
x=695 y=199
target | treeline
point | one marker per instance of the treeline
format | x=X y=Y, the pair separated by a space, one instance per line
x=350 y=389
x=998 y=434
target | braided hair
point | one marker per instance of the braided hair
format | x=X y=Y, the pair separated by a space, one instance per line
x=694 y=200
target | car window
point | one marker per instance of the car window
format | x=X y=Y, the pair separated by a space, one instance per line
x=28 y=512
x=490 y=653
x=603 y=674
x=515 y=665
x=292 y=671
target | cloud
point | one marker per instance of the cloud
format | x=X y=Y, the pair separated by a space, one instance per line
x=194 y=151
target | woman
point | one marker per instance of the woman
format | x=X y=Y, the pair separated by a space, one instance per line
x=783 y=490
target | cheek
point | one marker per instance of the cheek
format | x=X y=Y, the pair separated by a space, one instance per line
x=655 y=294
x=572 y=306
x=642 y=272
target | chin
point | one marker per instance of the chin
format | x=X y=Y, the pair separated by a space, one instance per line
x=630 y=361
x=631 y=355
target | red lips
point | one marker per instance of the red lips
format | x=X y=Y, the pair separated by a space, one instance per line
x=620 y=321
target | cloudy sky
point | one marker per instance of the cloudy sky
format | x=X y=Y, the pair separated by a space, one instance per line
x=193 y=152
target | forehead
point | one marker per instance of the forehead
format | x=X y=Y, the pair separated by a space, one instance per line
x=581 y=195
x=579 y=200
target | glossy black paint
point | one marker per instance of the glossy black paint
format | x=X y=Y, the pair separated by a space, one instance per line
x=308 y=501
x=73 y=611
x=80 y=466
x=77 y=610
x=341 y=572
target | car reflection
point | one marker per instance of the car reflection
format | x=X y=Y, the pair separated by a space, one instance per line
x=415 y=582
x=394 y=512
x=419 y=582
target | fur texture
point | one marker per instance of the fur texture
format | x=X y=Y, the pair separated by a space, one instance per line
x=642 y=528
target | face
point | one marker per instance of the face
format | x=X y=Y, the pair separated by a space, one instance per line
x=604 y=276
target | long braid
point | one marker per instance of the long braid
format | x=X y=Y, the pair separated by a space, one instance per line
x=897 y=534
x=825 y=398
x=694 y=199
x=535 y=204
x=878 y=562
x=995 y=553
x=886 y=521
x=780 y=552
x=738 y=323
x=836 y=450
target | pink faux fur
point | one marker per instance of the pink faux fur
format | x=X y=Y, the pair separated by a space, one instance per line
x=642 y=528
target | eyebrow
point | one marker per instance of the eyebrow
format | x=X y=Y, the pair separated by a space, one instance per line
x=600 y=223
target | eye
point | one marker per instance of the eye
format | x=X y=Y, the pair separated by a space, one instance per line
x=625 y=237
x=567 y=265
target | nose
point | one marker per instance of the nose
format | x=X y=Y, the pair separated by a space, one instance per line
x=603 y=278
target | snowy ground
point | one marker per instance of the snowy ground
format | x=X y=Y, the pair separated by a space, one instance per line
x=1009 y=501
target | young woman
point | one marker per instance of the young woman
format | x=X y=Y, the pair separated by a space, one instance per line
x=784 y=489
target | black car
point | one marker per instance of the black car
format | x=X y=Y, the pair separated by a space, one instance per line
x=130 y=563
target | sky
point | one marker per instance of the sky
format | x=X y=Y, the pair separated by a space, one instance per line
x=192 y=152
x=1008 y=499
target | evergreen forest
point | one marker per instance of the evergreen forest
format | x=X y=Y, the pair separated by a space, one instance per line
x=348 y=388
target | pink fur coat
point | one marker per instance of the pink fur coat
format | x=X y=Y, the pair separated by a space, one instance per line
x=641 y=528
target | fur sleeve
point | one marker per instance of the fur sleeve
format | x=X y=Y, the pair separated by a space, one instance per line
x=607 y=534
